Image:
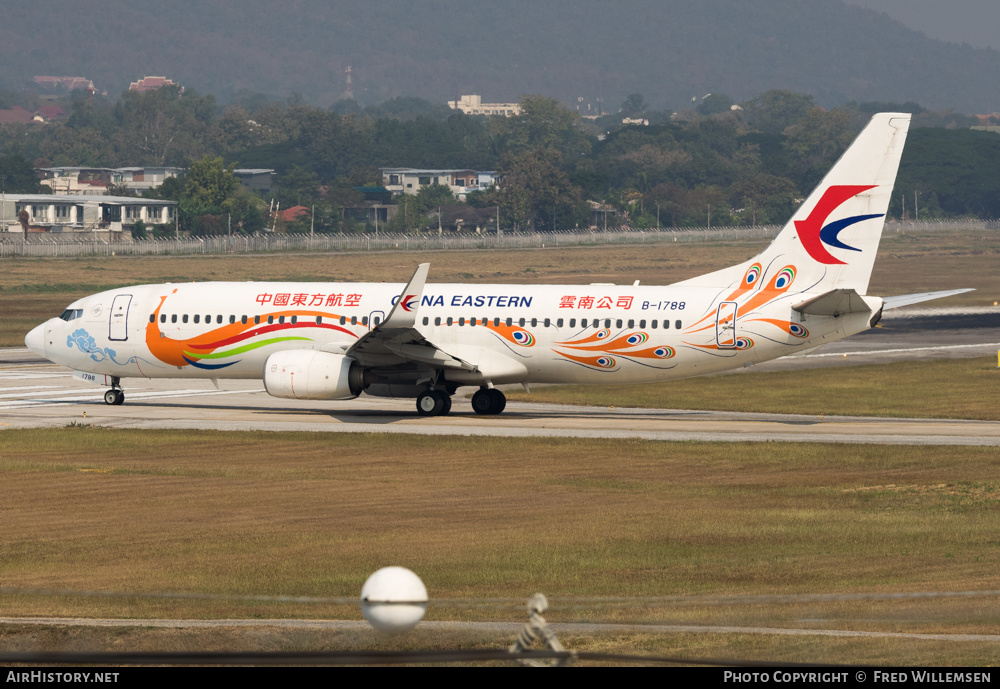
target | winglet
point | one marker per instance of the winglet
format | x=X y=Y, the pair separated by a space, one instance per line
x=404 y=313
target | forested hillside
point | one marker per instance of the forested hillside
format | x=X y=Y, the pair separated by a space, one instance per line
x=669 y=50
x=746 y=166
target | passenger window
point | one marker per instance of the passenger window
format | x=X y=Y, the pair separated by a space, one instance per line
x=427 y=320
x=152 y=318
x=572 y=322
x=281 y=320
x=376 y=320
x=256 y=320
x=677 y=324
x=197 y=318
x=509 y=322
x=496 y=322
x=548 y=323
x=163 y=318
x=295 y=319
x=354 y=320
x=607 y=323
x=666 y=325
x=343 y=320
x=559 y=323
x=270 y=320
x=631 y=323
x=173 y=318
x=642 y=323
x=449 y=320
x=461 y=321
x=521 y=322
x=218 y=319
x=319 y=320
x=364 y=321
x=184 y=319
x=653 y=325
x=437 y=320
x=243 y=320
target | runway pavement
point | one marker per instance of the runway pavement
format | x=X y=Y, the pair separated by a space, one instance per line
x=35 y=393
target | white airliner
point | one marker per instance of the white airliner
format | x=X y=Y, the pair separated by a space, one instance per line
x=333 y=341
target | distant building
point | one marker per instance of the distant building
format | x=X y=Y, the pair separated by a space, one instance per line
x=61 y=213
x=474 y=105
x=152 y=83
x=18 y=115
x=410 y=180
x=260 y=180
x=459 y=218
x=56 y=84
x=294 y=213
x=94 y=181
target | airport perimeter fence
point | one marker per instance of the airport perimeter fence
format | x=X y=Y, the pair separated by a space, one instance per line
x=69 y=245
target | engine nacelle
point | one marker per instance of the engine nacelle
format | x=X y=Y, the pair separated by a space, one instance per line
x=305 y=374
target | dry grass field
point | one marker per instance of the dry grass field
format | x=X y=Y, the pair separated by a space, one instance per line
x=33 y=289
x=945 y=388
x=478 y=518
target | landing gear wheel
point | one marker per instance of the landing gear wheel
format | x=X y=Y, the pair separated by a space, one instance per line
x=447 y=404
x=431 y=403
x=114 y=396
x=489 y=401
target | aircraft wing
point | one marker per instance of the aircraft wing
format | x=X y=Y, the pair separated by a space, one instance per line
x=907 y=299
x=396 y=341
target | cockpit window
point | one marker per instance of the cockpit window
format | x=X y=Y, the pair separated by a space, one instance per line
x=71 y=314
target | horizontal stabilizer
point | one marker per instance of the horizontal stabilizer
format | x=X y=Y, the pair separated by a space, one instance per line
x=907 y=299
x=836 y=302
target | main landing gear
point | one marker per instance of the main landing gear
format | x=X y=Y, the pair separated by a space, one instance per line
x=433 y=403
x=115 y=395
x=489 y=401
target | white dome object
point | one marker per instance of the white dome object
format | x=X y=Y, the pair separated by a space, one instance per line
x=393 y=600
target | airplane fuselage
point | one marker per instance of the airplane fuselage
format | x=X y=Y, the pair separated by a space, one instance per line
x=520 y=333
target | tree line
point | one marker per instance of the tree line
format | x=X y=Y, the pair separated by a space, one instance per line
x=719 y=162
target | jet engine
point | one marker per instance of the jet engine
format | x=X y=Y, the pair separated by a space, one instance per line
x=305 y=374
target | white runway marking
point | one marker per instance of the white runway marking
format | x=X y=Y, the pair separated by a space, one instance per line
x=510 y=628
x=868 y=352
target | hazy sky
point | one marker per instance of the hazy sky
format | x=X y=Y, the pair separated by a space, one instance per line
x=976 y=22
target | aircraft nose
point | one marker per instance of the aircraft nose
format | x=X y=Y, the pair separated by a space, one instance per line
x=35 y=340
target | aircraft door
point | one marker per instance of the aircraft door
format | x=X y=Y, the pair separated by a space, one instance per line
x=725 y=325
x=118 y=325
x=374 y=318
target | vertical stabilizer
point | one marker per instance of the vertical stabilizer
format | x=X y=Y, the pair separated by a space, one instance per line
x=831 y=240
x=834 y=235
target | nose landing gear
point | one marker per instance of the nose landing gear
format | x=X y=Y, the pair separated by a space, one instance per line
x=115 y=395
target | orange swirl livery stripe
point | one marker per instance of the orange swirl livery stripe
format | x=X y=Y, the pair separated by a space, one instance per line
x=604 y=361
x=622 y=342
x=793 y=329
x=180 y=352
x=600 y=335
x=778 y=285
x=513 y=333
x=749 y=282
